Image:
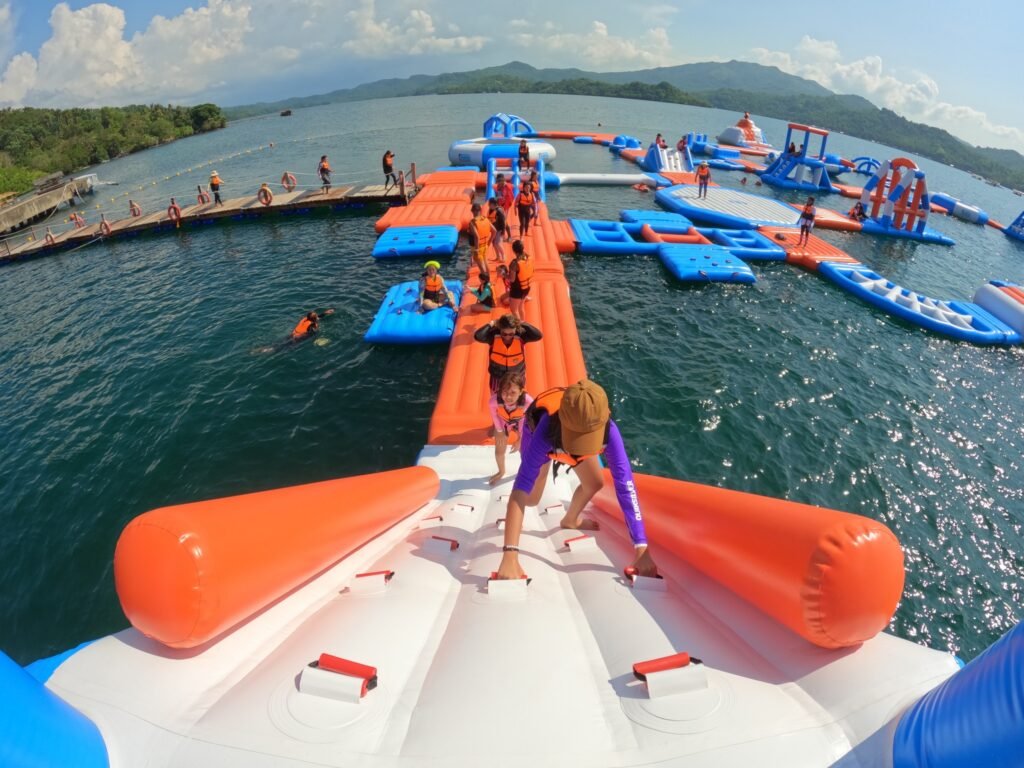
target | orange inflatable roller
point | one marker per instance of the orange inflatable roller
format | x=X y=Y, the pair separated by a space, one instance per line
x=185 y=574
x=456 y=214
x=832 y=577
x=443 y=193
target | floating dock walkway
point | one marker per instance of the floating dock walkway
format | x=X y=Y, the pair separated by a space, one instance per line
x=238 y=208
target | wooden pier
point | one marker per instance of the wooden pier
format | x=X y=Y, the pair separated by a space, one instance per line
x=238 y=208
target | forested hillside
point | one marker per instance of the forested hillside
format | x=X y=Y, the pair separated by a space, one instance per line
x=35 y=142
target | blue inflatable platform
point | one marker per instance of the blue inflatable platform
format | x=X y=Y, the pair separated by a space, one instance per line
x=748 y=244
x=957 y=319
x=398 y=320
x=704 y=264
x=727 y=208
x=925 y=235
x=655 y=218
x=398 y=242
x=609 y=237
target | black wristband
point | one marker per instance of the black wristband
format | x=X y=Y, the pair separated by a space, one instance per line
x=508 y=548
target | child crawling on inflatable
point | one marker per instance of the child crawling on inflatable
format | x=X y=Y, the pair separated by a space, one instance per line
x=508 y=407
x=573 y=426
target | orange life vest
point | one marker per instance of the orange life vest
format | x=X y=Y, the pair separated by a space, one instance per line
x=703 y=172
x=524 y=274
x=483 y=229
x=512 y=419
x=526 y=194
x=506 y=358
x=433 y=284
x=302 y=328
x=549 y=402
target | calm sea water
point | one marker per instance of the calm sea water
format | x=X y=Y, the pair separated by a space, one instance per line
x=131 y=376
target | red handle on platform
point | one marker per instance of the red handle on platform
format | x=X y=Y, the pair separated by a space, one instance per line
x=676 y=661
x=350 y=668
x=453 y=542
x=386 y=574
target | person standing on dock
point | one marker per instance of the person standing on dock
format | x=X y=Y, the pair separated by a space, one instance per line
x=703 y=174
x=323 y=170
x=388 y=163
x=480 y=232
x=215 y=183
x=573 y=426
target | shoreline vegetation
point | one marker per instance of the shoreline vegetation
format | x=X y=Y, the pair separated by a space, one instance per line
x=37 y=142
x=732 y=86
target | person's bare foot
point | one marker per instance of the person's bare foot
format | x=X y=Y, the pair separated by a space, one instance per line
x=496 y=478
x=581 y=524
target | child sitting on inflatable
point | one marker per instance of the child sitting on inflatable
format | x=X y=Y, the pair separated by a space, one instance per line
x=508 y=407
x=433 y=292
x=484 y=295
x=857 y=212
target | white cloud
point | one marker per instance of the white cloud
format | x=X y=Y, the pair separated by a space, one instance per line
x=381 y=38
x=598 y=48
x=88 y=60
x=916 y=98
x=6 y=32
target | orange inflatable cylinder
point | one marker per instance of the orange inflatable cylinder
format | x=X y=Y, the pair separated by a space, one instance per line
x=187 y=573
x=832 y=577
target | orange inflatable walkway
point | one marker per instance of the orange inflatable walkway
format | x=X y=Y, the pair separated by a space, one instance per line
x=826 y=218
x=682 y=178
x=461 y=416
x=810 y=255
x=444 y=198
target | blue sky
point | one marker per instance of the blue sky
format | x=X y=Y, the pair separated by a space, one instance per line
x=956 y=74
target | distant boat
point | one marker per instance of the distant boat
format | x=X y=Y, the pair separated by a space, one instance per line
x=286 y=113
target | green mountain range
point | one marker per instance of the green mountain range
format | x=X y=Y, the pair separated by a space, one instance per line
x=734 y=85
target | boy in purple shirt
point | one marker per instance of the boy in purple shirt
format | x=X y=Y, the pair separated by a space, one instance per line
x=572 y=426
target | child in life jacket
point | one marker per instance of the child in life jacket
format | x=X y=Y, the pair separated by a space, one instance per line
x=508 y=407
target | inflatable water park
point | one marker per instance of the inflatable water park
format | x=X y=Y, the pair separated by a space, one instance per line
x=361 y=621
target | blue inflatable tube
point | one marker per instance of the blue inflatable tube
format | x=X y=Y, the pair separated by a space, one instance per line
x=38 y=729
x=957 y=319
x=583 y=139
x=975 y=718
